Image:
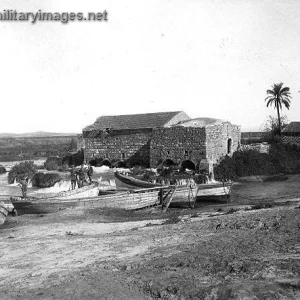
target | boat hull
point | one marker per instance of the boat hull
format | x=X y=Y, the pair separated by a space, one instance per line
x=3 y=214
x=214 y=192
x=124 y=200
x=129 y=182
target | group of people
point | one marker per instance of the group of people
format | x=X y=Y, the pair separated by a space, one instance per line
x=80 y=176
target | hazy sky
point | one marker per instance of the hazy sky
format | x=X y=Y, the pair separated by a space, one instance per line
x=207 y=58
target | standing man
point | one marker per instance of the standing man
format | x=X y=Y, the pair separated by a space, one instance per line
x=90 y=172
x=81 y=176
x=73 y=178
x=24 y=184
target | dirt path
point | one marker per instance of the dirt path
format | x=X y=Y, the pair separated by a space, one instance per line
x=224 y=252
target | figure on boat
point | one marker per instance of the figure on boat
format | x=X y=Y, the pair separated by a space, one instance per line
x=23 y=183
x=74 y=178
x=90 y=172
x=81 y=177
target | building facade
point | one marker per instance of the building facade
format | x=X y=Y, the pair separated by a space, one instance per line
x=159 y=138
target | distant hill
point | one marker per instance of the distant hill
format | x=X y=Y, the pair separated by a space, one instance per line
x=35 y=134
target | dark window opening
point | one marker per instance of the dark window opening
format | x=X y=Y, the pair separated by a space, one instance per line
x=106 y=162
x=187 y=164
x=168 y=163
x=229 y=145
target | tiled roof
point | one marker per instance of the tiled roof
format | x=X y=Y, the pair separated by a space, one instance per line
x=294 y=140
x=150 y=120
x=200 y=122
x=292 y=127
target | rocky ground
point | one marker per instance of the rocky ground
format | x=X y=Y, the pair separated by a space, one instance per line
x=247 y=249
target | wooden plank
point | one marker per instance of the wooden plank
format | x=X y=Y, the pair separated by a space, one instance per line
x=170 y=200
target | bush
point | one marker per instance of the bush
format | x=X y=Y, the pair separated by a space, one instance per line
x=148 y=175
x=76 y=159
x=27 y=168
x=53 y=163
x=2 y=169
x=281 y=159
x=45 y=180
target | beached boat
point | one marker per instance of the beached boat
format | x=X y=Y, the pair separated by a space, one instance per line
x=219 y=191
x=124 y=181
x=3 y=214
x=6 y=207
x=205 y=191
x=105 y=197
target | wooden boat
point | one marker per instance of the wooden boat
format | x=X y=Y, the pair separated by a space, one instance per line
x=128 y=200
x=123 y=181
x=219 y=191
x=3 y=214
x=206 y=191
x=86 y=191
x=6 y=207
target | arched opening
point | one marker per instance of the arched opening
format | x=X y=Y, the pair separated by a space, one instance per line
x=168 y=163
x=229 y=145
x=106 y=162
x=187 y=164
x=93 y=162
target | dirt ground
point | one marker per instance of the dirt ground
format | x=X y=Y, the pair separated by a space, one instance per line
x=247 y=249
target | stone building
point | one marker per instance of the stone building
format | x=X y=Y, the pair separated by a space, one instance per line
x=291 y=134
x=160 y=138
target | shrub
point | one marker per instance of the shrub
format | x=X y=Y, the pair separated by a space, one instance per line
x=281 y=159
x=27 y=168
x=76 y=159
x=53 y=163
x=148 y=175
x=2 y=169
x=45 y=180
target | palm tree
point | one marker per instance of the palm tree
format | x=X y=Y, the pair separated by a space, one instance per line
x=279 y=96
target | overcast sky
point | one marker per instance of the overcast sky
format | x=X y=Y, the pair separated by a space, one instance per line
x=207 y=58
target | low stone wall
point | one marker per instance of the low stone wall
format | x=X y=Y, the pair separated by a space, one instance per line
x=260 y=147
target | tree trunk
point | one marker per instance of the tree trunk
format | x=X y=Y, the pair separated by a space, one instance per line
x=279 y=121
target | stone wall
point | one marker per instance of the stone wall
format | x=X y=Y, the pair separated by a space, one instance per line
x=128 y=146
x=151 y=147
x=260 y=147
x=218 y=137
x=177 y=144
x=80 y=142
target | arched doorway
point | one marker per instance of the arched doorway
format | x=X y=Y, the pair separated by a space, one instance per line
x=229 y=145
x=168 y=163
x=93 y=162
x=106 y=162
x=188 y=164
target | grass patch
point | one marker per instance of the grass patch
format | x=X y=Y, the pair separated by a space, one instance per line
x=276 y=178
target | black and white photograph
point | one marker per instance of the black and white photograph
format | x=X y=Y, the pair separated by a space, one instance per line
x=150 y=149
